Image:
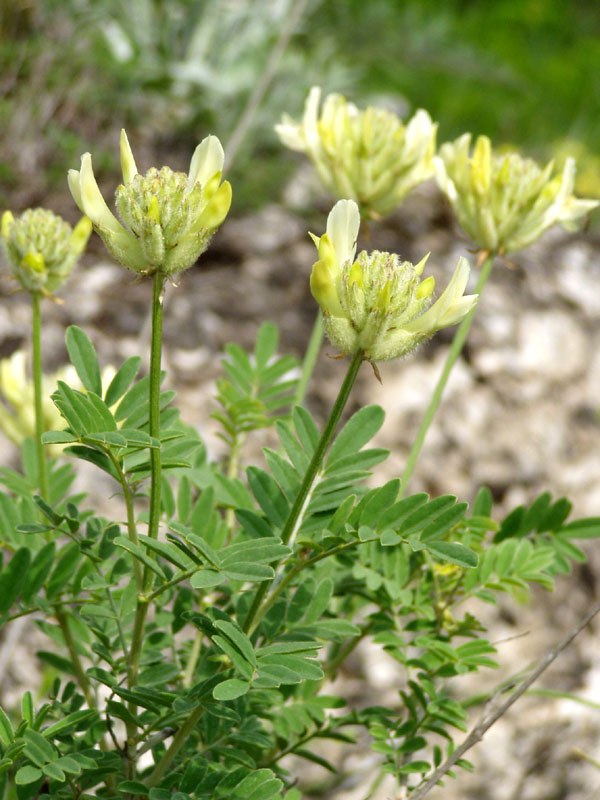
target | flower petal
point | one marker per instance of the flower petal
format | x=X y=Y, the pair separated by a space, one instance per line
x=92 y=202
x=207 y=160
x=128 y=166
x=343 y=224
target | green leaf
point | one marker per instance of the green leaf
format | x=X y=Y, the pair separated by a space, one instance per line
x=137 y=551
x=58 y=437
x=588 y=528
x=453 y=552
x=168 y=551
x=249 y=572
x=134 y=787
x=37 y=748
x=306 y=430
x=269 y=496
x=69 y=559
x=6 y=732
x=38 y=571
x=239 y=638
x=206 y=578
x=12 y=578
x=443 y=522
x=28 y=774
x=54 y=772
x=71 y=722
x=231 y=689
x=258 y=551
x=94 y=457
x=122 y=380
x=266 y=344
x=84 y=359
x=360 y=428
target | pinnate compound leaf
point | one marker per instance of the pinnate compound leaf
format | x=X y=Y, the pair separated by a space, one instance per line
x=83 y=357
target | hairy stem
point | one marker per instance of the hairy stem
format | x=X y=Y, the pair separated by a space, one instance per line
x=310 y=358
x=36 y=335
x=158 y=282
x=297 y=510
x=453 y=354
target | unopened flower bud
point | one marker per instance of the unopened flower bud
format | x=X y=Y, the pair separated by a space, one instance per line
x=169 y=217
x=42 y=249
x=376 y=303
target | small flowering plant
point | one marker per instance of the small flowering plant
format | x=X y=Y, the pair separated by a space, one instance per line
x=194 y=636
x=368 y=156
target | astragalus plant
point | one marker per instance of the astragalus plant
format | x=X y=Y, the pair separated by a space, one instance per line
x=193 y=639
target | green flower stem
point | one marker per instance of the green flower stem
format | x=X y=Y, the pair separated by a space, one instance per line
x=131 y=525
x=190 y=668
x=297 y=510
x=82 y=678
x=310 y=358
x=37 y=393
x=455 y=350
x=158 y=282
x=141 y=611
x=179 y=740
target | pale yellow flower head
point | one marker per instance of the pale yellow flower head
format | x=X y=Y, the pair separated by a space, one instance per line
x=374 y=302
x=168 y=216
x=369 y=156
x=41 y=249
x=505 y=202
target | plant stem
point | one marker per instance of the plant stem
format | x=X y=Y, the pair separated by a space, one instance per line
x=82 y=678
x=453 y=354
x=310 y=358
x=190 y=667
x=158 y=282
x=36 y=331
x=178 y=741
x=297 y=510
x=131 y=525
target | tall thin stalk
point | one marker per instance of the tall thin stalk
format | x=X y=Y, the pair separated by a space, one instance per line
x=298 y=508
x=453 y=354
x=36 y=334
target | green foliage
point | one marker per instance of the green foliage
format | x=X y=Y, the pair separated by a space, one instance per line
x=246 y=678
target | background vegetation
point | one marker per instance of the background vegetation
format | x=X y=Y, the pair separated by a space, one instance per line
x=74 y=71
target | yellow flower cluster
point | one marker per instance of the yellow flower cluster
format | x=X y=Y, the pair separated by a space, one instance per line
x=169 y=216
x=366 y=156
x=376 y=303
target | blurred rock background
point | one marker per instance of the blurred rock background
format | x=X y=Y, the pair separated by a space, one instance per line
x=521 y=412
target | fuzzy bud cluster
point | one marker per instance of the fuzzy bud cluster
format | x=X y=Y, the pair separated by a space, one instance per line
x=376 y=303
x=42 y=249
x=369 y=156
x=169 y=217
